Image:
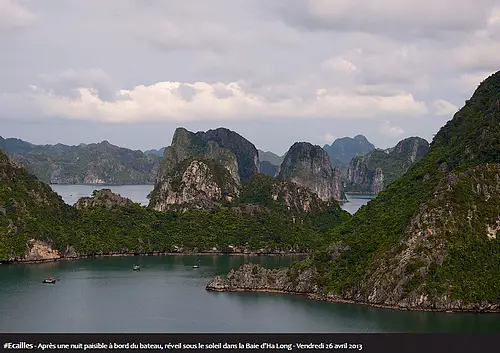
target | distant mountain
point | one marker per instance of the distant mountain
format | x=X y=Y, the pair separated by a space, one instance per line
x=270 y=157
x=371 y=173
x=158 y=153
x=268 y=168
x=96 y=163
x=342 y=150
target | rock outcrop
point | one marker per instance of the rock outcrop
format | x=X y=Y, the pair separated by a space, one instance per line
x=372 y=172
x=194 y=183
x=197 y=170
x=309 y=166
x=254 y=277
x=103 y=198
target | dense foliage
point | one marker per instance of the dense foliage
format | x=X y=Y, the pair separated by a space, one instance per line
x=471 y=266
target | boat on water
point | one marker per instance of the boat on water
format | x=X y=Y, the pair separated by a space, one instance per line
x=49 y=280
x=197 y=264
x=136 y=268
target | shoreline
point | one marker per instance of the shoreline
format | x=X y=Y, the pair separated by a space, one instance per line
x=154 y=253
x=319 y=297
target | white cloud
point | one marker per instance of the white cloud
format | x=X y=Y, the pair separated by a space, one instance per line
x=390 y=130
x=339 y=65
x=444 y=108
x=327 y=138
x=202 y=101
x=14 y=15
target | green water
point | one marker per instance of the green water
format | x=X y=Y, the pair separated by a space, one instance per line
x=168 y=295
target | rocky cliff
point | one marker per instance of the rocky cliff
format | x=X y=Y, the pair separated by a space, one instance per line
x=371 y=173
x=196 y=182
x=197 y=170
x=309 y=166
x=268 y=169
x=429 y=241
x=270 y=157
x=97 y=163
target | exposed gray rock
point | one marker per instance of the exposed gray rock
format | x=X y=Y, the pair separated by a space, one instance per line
x=309 y=166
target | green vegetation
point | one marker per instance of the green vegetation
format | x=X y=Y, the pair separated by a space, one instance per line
x=373 y=235
x=393 y=164
x=61 y=164
x=34 y=211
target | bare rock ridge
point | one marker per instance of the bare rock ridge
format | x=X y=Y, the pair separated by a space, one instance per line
x=371 y=173
x=201 y=169
x=309 y=166
x=103 y=198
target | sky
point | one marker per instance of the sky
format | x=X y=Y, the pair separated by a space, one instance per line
x=277 y=72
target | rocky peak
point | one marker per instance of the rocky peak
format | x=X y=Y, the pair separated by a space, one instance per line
x=192 y=168
x=342 y=150
x=246 y=153
x=309 y=166
x=194 y=183
x=103 y=198
x=411 y=148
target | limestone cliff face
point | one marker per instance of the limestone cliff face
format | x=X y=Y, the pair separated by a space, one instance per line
x=197 y=170
x=196 y=183
x=372 y=172
x=309 y=166
x=103 y=198
x=246 y=153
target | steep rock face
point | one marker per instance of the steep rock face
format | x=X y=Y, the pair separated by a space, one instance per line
x=245 y=152
x=103 y=198
x=186 y=144
x=309 y=166
x=34 y=221
x=97 y=163
x=197 y=170
x=195 y=183
x=372 y=172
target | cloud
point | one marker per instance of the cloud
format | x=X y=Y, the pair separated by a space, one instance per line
x=444 y=108
x=14 y=15
x=327 y=138
x=202 y=101
x=391 y=18
x=390 y=130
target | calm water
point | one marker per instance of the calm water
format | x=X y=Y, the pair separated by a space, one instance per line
x=355 y=202
x=71 y=193
x=168 y=295
x=138 y=193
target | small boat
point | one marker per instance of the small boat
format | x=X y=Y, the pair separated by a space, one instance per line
x=197 y=265
x=136 y=268
x=49 y=280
